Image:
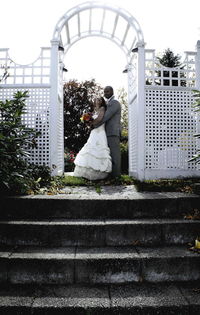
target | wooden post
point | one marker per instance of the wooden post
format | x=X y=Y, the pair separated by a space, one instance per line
x=54 y=107
x=141 y=112
x=197 y=65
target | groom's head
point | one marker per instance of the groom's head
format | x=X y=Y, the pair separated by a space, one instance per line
x=108 y=92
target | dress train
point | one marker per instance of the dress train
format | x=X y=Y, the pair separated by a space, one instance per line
x=94 y=161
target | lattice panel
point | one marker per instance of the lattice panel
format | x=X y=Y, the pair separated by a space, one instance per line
x=58 y=110
x=37 y=72
x=169 y=128
x=37 y=117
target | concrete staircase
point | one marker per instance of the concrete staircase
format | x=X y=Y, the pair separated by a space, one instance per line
x=118 y=252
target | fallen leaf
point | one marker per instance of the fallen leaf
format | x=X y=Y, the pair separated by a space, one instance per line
x=137 y=242
x=196 y=290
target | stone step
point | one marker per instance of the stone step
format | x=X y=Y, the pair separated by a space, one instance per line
x=109 y=205
x=98 y=265
x=58 y=233
x=142 y=298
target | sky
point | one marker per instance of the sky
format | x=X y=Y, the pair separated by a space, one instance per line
x=27 y=25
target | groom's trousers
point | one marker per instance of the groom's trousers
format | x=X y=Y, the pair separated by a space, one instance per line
x=114 y=145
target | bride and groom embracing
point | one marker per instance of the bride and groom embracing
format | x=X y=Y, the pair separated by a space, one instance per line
x=100 y=156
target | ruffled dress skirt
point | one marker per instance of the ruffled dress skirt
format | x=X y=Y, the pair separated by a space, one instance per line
x=94 y=161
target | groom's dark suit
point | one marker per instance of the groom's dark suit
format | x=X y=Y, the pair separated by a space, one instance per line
x=112 y=119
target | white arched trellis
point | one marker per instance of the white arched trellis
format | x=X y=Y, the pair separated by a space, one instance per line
x=97 y=19
x=161 y=120
x=110 y=22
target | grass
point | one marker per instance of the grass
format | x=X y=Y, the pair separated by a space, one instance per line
x=187 y=185
x=98 y=189
x=73 y=181
x=78 y=181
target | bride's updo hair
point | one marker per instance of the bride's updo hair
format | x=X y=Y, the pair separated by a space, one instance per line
x=103 y=102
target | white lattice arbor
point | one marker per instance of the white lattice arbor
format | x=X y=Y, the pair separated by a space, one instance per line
x=161 y=121
x=99 y=20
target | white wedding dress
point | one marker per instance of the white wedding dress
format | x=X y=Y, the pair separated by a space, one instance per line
x=94 y=161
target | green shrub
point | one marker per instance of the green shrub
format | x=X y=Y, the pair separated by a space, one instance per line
x=17 y=176
x=41 y=174
x=78 y=97
x=69 y=157
x=124 y=157
x=196 y=107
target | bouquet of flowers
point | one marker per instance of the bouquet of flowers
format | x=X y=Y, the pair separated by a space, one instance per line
x=86 y=117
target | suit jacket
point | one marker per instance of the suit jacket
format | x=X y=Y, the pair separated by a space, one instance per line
x=112 y=118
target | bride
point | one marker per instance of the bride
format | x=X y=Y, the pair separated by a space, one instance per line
x=94 y=161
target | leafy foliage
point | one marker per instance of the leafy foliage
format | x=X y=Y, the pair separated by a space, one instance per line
x=4 y=74
x=196 y=104
x=196 y=107
x=186 y=185
x=69 y=157
x=169 y=59
x=78 y=98
x=124 y=156
x=122 y=97
x=16 y=175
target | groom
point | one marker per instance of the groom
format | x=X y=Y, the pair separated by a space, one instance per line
x=112 y=119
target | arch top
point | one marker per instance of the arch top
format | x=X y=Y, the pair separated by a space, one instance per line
x=95 y=18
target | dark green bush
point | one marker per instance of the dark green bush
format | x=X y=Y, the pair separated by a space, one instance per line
x=69 y=157
x=124 y=152
x=17 y=176
x=124 y=157
x=196 y=107
x=78 y=97
x=41 y=174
